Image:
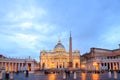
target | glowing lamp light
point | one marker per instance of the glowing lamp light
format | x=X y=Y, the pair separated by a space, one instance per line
x=83 y=66
x=95 y=64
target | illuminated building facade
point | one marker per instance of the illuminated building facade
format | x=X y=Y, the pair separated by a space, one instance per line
x=15 y=64
x=101 y=59
x=59 y=58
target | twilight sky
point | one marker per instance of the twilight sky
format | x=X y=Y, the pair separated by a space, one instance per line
x=28 y=26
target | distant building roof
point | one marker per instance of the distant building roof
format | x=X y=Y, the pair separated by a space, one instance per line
x=99 y=52
x=1 y=56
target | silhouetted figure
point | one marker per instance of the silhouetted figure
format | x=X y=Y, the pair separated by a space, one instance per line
x=27 y=73
x=68 y=73
x=7 y=76
x=17 y=72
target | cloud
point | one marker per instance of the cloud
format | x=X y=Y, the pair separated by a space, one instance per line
x=25 y=40
x=26 y=25
x=28 y=14
x=44 y=28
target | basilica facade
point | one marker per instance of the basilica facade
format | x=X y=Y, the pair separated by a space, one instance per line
x=59 y=57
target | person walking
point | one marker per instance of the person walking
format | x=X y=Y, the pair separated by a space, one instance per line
x=27 y=73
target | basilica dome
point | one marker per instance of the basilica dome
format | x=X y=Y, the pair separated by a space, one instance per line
x=59 y=47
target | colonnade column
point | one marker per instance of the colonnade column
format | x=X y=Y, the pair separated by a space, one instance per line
x=32 y=67
x=12 y=66
x=119 y=65
x=58 y=64
x=22 y=66
x=5 y=66
x=116 y=66
x=2 y=64
x=99 y=66
x=16 y=67
x=107 y=66
x=110 y=65
x=46 y=64
x=19 y=66
x=26 y=66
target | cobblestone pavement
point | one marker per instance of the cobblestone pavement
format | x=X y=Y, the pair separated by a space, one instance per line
x=79 y=76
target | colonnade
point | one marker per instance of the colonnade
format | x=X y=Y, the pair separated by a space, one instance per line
x=103 y=66
x=15 y=66
x=110 y=66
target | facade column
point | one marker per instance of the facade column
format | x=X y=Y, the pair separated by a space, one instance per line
x=57 y=65
x=46 y=64
x=65 y=64
x=15 y=67
x=8 y=66
x=41 y=65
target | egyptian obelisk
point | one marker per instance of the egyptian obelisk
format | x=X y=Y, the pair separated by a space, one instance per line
x=70 y=52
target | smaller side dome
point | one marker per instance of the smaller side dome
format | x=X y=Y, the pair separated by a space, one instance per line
x=43 y=52
x=76 y=51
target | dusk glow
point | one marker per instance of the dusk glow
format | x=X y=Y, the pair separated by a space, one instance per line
x=29 y=26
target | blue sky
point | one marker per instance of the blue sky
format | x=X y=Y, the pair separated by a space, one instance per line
x=28 y=26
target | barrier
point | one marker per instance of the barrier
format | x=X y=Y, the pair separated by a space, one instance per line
x=109 y=74
x=75 y=76
x=11 y=75
x=64 y=75
x=115 y=75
